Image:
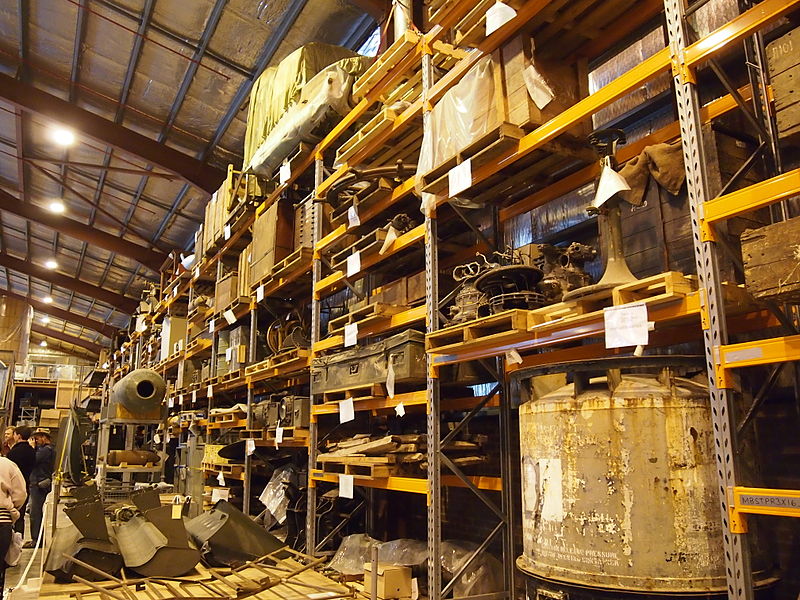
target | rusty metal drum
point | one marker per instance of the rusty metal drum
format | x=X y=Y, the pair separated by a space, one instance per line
x=619 y=486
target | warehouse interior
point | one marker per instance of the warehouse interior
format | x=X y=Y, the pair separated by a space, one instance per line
x=401 y=299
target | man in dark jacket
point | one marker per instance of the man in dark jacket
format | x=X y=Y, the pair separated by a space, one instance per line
x=41 y=480
x=24 y=456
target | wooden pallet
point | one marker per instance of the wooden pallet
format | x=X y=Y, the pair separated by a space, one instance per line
x=364 y=136
x=290 y=434
x=287 y=357
x=291 y=267
x=233 y=306
x=379 y=191
x=480 y=152
x=230 y=376
x=371 y=391
x=195 y=346
x=482 y=330
x=367 y=245
x=232 y=470
x=366 y=467
x=226 y=418
x=367 y=315
x=299 y=154
x=471 y=29
x=386 y=62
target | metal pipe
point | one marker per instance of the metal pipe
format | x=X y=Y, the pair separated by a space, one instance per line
x=402 y=17
x=373 y=588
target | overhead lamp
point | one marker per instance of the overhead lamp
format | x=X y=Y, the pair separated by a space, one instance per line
x=51 y=264
x=45 y=319
x=47 y=299
x=62 y=136
x=43 y=343
x=56 y=206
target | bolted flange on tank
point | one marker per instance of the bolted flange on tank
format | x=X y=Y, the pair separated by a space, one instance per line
x=619 y=485
x=140 y=391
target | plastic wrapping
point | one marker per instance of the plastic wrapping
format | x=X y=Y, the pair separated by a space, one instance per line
x=403 y=552
x=326 y=92
x=274 y=496
x=279 y=87
x=353 y=552
x=466 y=112
x=483 y=576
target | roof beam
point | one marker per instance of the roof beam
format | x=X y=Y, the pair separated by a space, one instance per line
x=118 y=301
x=149 y=258
x=29 y=98
x=58 y=346
x=65 y=315
x=65 y=337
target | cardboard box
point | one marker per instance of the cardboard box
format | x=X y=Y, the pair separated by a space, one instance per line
x=49 y=417
x=244 y=271
x=226 y=292
x=173 y=331
x=41 y=372
x=393 y=581
x=273 y=231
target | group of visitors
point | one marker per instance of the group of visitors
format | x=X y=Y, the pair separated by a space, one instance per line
x=26 y=470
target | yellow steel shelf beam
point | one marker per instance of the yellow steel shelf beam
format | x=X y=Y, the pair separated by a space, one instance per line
x=760 y=501
x=755 y=353
x=414 y=485
x=750 y=198
x=407 y=399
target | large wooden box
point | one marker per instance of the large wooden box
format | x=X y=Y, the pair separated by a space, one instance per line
x=783 y=58
x=273 y=231
x=227 y=291
x=771 y=258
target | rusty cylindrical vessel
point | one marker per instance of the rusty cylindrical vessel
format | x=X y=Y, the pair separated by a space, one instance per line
x=140 y=391
x=619 y=486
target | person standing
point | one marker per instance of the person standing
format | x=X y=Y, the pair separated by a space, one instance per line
x=41 y=482
x=24 y=456
x=13 y=496
x=8 y=440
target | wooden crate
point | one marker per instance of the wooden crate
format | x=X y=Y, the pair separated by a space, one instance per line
x=771 y=257
x=783 y=58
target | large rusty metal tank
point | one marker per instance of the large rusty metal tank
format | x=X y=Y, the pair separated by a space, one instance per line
x=619 y=486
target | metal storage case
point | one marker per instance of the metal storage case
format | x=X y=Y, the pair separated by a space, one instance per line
x=370 y=364
x=619 y=487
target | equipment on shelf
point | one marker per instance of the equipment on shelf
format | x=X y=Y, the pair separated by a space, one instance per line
x=609 y=213
x=282 y=410
x=401 y=224
x=494 y=287
x=563 y=269
x=116 y=458
x=359 y=185
x=140 y=391
x=288 y=332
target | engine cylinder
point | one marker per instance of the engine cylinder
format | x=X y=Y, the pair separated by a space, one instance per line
x=140 y=391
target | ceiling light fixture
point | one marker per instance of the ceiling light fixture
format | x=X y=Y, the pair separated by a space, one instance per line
x=45 y=319
x=62 y=136
x=56 y=206
x=51 y=264
x=47 y=300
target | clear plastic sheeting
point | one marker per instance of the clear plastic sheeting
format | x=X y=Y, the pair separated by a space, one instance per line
x=465 y=113
x=483 y=576
x=274 y=496
x=353 y=552
x=280 y=86
x=326 y=93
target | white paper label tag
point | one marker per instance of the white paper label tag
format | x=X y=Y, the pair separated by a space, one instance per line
x=227 y=232
x=391 y=236
x=221 y=478
x=250 y=447
x=211 y=326
x=513 y=357
x=157 y=439
x=352 y=217
x=170 y=402
x=350 y=334
x=259 y=293
x=345 y=486
x=390 y=377
x=229 y=316
x=611 y=183
x=353 y=263
x=626 y=325
x=194 y=396
x=177 y=510
x=210 y=391
x=400 y=410
x=180 y=399
x=459 y=178
x=174 y=292
x=218 y=494
x=414 y=589
x=278 y=435
x=196 y=274
x=497 y=16
x=228 y=354
x=540 y=91
x=347 y=411
x=285 y=173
